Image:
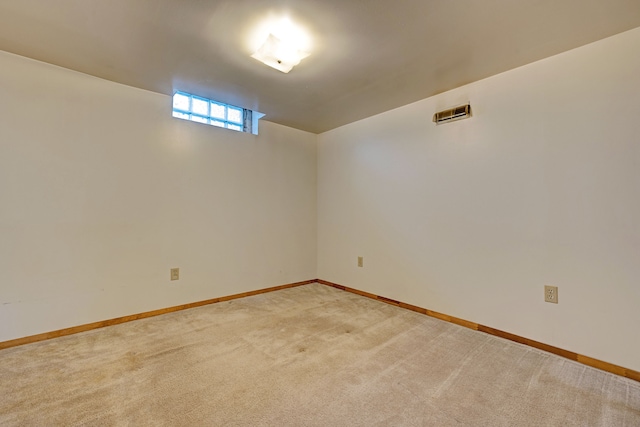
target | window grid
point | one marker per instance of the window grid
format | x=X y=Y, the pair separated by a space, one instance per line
x=203 y=110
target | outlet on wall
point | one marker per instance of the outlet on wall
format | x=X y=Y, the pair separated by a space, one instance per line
x=360 y=261
x=175 y=273
x=551 y=294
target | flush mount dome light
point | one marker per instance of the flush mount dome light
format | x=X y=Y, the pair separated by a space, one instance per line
x=279 y=54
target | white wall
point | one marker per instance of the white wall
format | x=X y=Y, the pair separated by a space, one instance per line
x=102 y=192
x=473 y=218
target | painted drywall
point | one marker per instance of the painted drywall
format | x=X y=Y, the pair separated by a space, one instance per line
x=473 y=218
x=102 y=192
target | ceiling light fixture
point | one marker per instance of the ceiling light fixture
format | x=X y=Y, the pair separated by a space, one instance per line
x=278 y=54
x=281 y=44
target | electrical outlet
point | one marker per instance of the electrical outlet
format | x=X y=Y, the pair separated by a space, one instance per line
x=360 y=261
x=175 y=273
x=551 y=294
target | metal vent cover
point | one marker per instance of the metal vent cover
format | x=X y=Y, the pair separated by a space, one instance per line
x=452 y=114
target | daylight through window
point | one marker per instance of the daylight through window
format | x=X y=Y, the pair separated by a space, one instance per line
x=203 y=110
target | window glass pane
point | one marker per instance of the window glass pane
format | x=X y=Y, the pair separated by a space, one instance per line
x=181 y=115
x=235 y=115
x=199 y=119
x=203 y=110
x=181 y=102
x=217 y=111
x=200 y=106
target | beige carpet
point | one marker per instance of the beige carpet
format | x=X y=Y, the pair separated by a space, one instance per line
x=306 y=356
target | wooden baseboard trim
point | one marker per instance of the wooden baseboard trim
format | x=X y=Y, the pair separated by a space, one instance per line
x=585 y=360
x=595 y=363
x=110 y=322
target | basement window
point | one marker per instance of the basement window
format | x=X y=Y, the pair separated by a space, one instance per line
x=202 y=110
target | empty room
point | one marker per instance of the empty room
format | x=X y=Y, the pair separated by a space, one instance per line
x=320 y=213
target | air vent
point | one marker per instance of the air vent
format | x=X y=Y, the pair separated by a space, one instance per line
x=453 y=114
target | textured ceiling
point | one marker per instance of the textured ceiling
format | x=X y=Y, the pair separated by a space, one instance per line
x=368 y=56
